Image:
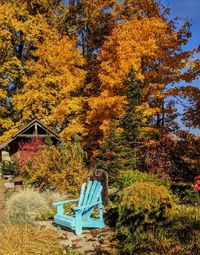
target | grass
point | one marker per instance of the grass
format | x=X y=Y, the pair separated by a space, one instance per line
x=28 y=240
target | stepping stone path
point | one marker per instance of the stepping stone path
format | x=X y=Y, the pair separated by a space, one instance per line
x=90 y=242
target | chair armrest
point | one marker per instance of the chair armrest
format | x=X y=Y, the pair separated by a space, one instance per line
x=64 y=202
x=77 y=208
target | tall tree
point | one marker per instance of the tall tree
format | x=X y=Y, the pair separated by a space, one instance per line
x=41 y=67
x=151 y=45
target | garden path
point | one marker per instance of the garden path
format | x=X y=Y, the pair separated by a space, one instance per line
x=90 y=242
x=2 y=190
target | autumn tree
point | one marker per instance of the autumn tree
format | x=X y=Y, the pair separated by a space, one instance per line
x=191 y=106
x=41 y=66
x=150 y=44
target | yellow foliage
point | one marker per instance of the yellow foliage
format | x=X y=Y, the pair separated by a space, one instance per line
x=59 y=168
x=40 y=63
x=54 y=77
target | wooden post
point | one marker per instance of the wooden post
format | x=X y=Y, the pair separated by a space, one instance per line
x=102 y=176
x=36 y=129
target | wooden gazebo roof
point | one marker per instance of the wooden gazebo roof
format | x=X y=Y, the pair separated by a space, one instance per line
x=34 y=129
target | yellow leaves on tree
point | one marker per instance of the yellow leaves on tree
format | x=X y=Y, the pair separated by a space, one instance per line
x=125 y=49
x=52 y=82
x=41 y=69
x=139 y=9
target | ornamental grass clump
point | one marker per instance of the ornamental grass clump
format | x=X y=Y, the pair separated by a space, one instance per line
x=26 y=205
x=28 y=240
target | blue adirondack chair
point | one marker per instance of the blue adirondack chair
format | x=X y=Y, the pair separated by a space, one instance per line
x=90 y=197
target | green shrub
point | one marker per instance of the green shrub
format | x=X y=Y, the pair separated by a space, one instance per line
x=178 y=234
x=25 y=206
x=28 y=240
x=141 y=205
x=184 y=217
x=8 y=167
x=128 y=177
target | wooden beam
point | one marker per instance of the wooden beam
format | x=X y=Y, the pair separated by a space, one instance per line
x=34 y=135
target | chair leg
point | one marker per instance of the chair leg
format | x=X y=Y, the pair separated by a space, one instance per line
x=78 y=223
x=101 y=221
x=78 y=230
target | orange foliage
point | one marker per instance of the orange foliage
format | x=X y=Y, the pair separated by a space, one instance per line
x=125 y=49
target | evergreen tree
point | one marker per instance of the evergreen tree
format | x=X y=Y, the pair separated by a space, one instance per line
x=121 y=150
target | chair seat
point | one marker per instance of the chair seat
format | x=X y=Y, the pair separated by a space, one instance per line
x=64 y=220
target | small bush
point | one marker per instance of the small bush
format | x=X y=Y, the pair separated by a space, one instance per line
x=8 y=167
x=128 y=177
x=28 y=240
x=141 y=205
x=25 y=206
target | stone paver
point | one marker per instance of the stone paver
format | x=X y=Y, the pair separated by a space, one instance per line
x=90 y=242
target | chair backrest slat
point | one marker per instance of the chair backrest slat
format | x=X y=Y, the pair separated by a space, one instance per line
x=90 y=195
x=82 y=194
x=95 y=194
x=87 y=193
x=92 y=191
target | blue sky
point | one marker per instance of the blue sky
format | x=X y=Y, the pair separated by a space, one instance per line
x=188 y=9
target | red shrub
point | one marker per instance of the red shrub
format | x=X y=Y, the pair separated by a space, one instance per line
x=27 y=150
x=197 y=183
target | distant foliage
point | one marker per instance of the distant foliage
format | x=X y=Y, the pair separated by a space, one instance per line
x=126 y=178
